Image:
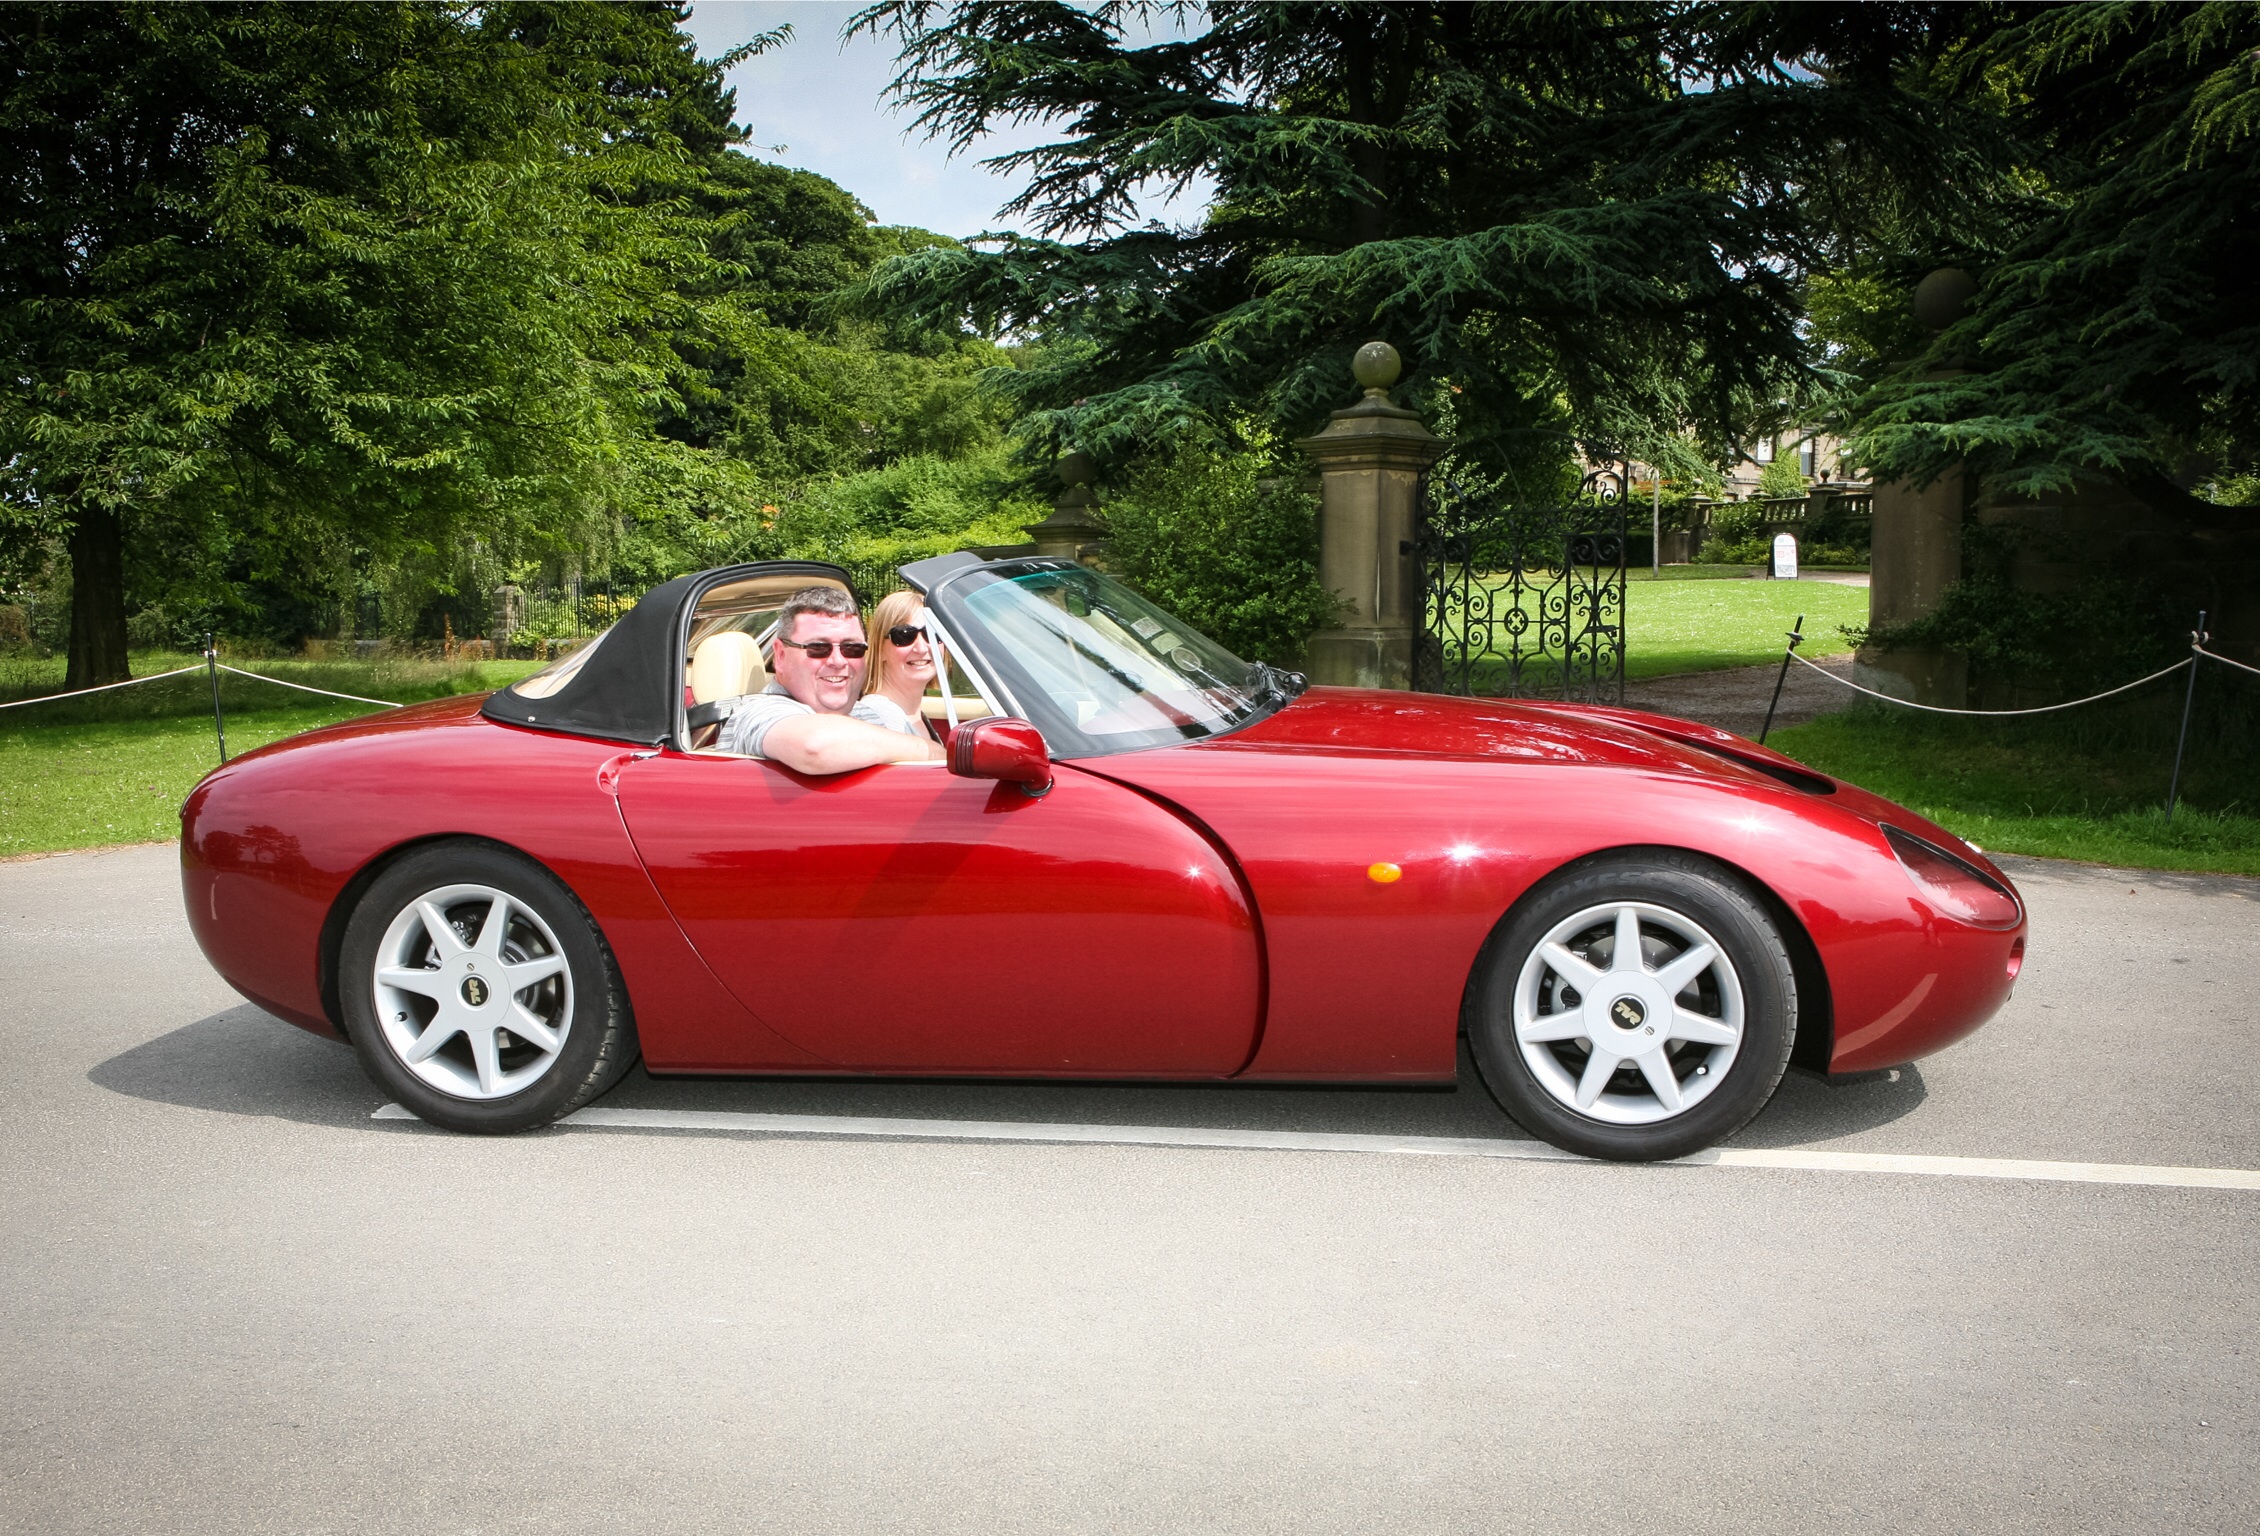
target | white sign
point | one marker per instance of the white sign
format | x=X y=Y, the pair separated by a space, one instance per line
x=1785 y=556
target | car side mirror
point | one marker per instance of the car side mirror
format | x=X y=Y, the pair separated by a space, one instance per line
x=1002 y=748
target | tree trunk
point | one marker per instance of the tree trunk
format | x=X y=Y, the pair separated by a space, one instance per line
x=98 y=601
x=1378 y=81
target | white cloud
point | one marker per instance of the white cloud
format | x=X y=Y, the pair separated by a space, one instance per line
x=825 y=102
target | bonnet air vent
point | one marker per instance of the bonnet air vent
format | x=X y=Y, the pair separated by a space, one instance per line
x=1782 y=773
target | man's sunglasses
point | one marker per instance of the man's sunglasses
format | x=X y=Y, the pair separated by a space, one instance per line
x=906 y=635
x=821 y=650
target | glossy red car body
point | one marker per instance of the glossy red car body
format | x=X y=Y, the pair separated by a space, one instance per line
x=1201 y=910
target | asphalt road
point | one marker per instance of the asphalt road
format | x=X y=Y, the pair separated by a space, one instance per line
x=232 y=1301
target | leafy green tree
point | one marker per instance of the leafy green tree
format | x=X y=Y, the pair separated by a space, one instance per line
x=814 y=392
x=1229 y=543
x=283 y=286
x=1590 y=218
x=871 y=520
x=1779 y=478
x=2117 y=330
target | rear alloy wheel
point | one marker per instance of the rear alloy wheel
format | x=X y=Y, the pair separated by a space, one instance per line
x=1636 y=1009
x=479 y=992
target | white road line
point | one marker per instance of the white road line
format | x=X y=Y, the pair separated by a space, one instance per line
x=602 y=1117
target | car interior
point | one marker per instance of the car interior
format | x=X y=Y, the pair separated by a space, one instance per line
x=731 y=633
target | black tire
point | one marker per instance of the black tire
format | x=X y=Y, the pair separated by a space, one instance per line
x=1673 y=892
x=585 y=1006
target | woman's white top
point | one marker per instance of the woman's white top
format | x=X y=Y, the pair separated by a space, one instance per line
x=877 y=709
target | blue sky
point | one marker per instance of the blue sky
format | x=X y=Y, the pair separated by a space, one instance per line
x=823 y=100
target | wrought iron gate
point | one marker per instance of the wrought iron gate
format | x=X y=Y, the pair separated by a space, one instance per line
x=1523 y=600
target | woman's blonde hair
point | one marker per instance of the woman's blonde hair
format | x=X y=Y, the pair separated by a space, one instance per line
x=895 y=608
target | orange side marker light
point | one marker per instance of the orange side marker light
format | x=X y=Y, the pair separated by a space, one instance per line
x=1384 y=874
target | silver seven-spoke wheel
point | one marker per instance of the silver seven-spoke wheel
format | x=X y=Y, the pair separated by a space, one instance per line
x=479 y=992
x=1636 y=1005
x=1628 y=1013
x=473 y=992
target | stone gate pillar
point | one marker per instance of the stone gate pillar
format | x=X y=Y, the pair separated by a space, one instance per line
x=1916 y=548
x=1370 y=457
x=1074 y=523
x=506 y=616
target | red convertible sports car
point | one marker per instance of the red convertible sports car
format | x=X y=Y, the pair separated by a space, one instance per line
x=1144 y=858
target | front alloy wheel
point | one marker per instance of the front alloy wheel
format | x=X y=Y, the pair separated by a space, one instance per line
x=1637 y=1007
x=1628 y=1012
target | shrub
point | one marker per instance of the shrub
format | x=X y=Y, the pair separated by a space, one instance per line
x=1233 y=550
x=1736 y=535
x=2113 y=626
x=869 y=521
x=918 y=506
x=1780 y=479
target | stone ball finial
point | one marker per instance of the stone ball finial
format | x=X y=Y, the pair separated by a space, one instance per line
x=1941 y=298
x=1377 y=366
x=1075 y=467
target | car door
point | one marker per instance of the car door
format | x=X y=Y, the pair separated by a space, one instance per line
x=901 y=919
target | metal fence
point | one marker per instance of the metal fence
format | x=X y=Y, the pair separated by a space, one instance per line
x=1522 y=600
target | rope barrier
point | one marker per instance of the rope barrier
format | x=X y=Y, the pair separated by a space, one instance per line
x=2197 y=639
x=2044 y=709
x=307 y=688
x=75 y=693
x=2217 y=656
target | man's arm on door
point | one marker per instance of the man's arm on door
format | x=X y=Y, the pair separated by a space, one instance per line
x=841 y=744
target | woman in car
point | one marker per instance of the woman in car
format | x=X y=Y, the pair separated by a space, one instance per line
x=902 y=665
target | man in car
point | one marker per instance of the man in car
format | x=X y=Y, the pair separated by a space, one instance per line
x=805 y=719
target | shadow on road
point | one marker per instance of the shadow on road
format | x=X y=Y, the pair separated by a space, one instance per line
x=1808 y=1109
x=246 y=1062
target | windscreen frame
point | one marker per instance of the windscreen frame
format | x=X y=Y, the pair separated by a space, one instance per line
x=947 y=595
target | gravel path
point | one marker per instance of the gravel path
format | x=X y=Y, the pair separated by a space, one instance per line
x=1735 y=699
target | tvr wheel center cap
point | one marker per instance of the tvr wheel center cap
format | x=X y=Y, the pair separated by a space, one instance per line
x=476 y=991
x=1627 y=1019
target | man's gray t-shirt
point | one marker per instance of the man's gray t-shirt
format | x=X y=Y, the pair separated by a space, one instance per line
x=752 y=716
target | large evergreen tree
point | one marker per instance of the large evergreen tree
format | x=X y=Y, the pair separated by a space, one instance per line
x=2117 y=329
x=1589 y=220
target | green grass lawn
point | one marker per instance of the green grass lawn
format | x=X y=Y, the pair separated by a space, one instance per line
x=2066 y=789
x=1683 y=624
x=114 y=768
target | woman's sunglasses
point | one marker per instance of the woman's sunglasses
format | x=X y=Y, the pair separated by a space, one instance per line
x=906 y=635
x=821 y=650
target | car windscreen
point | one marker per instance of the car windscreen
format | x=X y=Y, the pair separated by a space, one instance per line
x=1096 y=667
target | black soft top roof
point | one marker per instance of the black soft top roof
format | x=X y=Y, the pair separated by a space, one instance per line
x=630 y=689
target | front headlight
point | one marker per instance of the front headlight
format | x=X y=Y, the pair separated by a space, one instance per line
x=1954 y=886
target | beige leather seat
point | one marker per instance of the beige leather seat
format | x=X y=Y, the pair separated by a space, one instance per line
x=725 y=666
x=934 y=708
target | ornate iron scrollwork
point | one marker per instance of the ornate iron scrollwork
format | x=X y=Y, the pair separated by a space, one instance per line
x=1522 y=600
